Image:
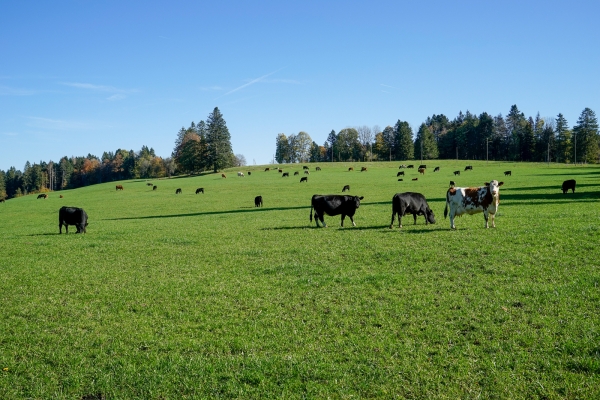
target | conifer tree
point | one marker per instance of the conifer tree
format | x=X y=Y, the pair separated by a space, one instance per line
x=586 y=135
x=218 y=141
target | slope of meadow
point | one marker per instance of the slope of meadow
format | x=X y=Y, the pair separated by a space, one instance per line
x=197 y=296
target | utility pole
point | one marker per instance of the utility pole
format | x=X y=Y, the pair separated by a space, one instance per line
x=421 y=149
x=575 y=134
x=487 y=154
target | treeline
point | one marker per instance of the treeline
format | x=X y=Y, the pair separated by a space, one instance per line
x=468 y=136
x=201 y=147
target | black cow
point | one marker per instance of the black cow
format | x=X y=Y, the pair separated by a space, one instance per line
x=200 y=190
x=346 y=187
x=506 y=173
x=411 y=203
x=42 y=196
x=178 y=191
x=569 y=184
x=304 y=179
x=333 y=204
x=296 y=173
x=456 y=173
x=452 y=184
x=304 y=167
x=400 y=173
x=149 y=184
x=285 y=174
x=410 y=166
x=423 y=166
x=318 y=168
x=436 y=169
x=469 y=168
x=249 y=173
x=400 y=180
x=258 y=201
x=72 y=216
x=2 y=200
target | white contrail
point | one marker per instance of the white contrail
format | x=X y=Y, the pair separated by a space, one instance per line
x=252 y=82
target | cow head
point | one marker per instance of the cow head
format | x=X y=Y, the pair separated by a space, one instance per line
x=357 y=200
x=494 y=187
x=430 y=216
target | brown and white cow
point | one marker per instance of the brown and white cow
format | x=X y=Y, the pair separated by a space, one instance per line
x=474 y=200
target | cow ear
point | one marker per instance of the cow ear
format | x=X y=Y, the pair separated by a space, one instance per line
x=486 y=184
x=501 y=183
x=361 y=197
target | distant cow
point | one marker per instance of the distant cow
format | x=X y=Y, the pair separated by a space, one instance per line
x=400 y=180
x=249 y=173
x=436 y=169
x=422 y=166
x=415 y=179
x=569 y=184
x=456 y=173
x=346 y=187
x=119 y=187
x=240 y=174
x=42 y=196
x=72 y=216
x=304 y=167
x=149 y=184
x=304 y=179
x=410 y=166
x=402 y=166
x=280 y=170
x=318 y=169
x=351 y=169
x=422 y=171
x=200 y=190
x=363 y=169
x=452 y=184
x=306 y=172
x=285 y=174
x=334 y=204
x=223 y=176
x=469 y=168
x=154 y=187
x=178 y=191
x=258 y=201
x=400 y=173
x=296 y=173
x=266 y=169
x=61 y=196
x=474 y=200
x=507 y=173
x=2 y=200
x=411 y=203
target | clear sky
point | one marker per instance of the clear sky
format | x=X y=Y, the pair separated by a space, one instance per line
x=79 y=77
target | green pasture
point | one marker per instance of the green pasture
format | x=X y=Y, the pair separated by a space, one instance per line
x=205 y=296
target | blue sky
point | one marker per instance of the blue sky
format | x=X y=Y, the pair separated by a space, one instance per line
x=79 y=77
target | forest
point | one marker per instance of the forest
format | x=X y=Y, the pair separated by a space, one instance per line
x=206 y=146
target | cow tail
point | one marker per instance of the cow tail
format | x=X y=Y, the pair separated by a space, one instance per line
x=447 y=201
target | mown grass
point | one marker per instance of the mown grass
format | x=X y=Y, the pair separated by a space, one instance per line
x=206 y=296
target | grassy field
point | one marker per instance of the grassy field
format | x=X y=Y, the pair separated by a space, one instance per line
x=205 y=296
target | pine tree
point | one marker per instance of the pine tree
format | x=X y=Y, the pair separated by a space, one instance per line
x=403 y=143
x=564 y=145
x=218 y=141
x=429 y=149
x=586 y=136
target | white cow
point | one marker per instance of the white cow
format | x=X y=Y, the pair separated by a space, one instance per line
x=240 y=174
x=473 y=200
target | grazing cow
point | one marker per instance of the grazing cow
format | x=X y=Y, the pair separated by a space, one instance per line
x=306 y=172
x=351 y=169
x=258 y=201
x=402 y=166
x=363 y=169
x=266 y=169
x=178 y=191
x=249 y=173
x=304 y=167
x=285 y=174
x=507 y=173
x=43 y=196
x=149 y=184
x=422 y=171
x=72 y=216
x=415 y=179
x=61 y=196
x=304 y=179
x=154 y=187
x=410 y=166
x=436 y=169
x=411 y=203
x=223 y=176
x=296 y=173
x=200 y=190
x=2 y=200
x=400 y=180
x=318 y=169
x=119 y=187
x=456 y=173
x=280 y=170
x=346 y=187
x=569 y=184
x=422 y=166
x=474 y=200
x=469 y=168
x=334 y=204
x=452 y=184
x=400 y=173
x=240 y=174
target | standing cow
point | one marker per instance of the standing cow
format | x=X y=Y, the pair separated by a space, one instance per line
x=119 y=187
x=258 y=201
x=334 y=204
x=240 y=174
x=568 y=184
x=178 y=191
x=72 y=216
x=200 y=190
x=411 y=203
x=474 y=200
x=43 y=196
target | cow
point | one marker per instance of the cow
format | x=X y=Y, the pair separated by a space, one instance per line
x=200 y=190
x=411 y=203
x=149 y=184
x=452 y=184
x=436 y=169
x=2 y=200
x=119 y=187
x=469 y=168
x=422 y=166
x=43 y=196
x=346 y=187
x=266 y=169
x=415 y=179
x=249 y=173
x=507 y=173
x=306 y=172
x=296 y=173
x=304 y=167
x=568 y=184
x=240 y=174
x=410 y=166
x=72 y=216
x=402 y=166
x=154 y=187
x=400 y=173
x=456 y=173
x=363 y=169
x=400 y=180
x=280 y=170
x=258 y=201
x=422 y=171
x=223 y=176
x=351 y=169
x=318 y=169
x=285 y=174
x=61 y=196
x=473 y=200
x=304 y=179
x=333 y=204
x=178 y=191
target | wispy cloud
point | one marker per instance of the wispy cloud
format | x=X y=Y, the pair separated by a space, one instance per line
x=98 y=88
x=8 y=91
x=57 y=124
x=252 y=82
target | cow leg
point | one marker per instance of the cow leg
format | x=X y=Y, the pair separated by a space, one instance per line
x=392 y=223
x=452 y=219
x=321 y=217
x=415 y=216
x=493 y=218
x=352 y=219
x=486 y=216
x=344 y=216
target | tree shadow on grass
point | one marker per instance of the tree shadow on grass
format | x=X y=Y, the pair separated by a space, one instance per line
x=241 y=210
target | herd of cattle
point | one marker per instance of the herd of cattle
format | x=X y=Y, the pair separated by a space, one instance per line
x=459 y=200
